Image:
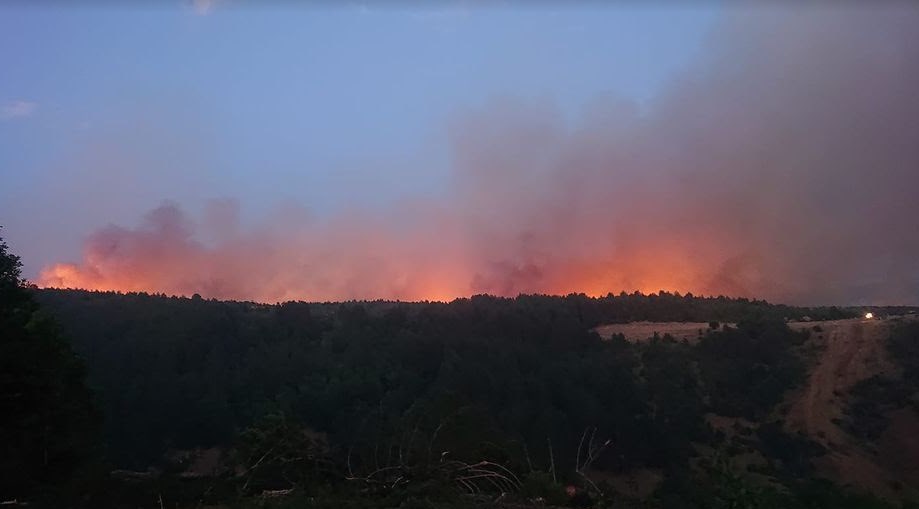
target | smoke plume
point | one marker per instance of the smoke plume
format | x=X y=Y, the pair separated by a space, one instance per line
x=782 y=164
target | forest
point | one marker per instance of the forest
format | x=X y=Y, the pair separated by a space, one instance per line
x=140 y=400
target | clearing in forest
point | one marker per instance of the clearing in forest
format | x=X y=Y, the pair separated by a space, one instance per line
x=640 y=331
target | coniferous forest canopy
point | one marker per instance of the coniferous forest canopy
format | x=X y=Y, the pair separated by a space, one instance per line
x=478 y=402
x=439 y=255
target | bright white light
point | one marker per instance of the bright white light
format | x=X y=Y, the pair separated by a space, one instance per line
x=869 y=316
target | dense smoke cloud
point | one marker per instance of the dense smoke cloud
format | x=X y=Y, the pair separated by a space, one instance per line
x=783 y=164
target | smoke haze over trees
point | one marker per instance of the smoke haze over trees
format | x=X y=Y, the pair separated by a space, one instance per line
x=781 y=164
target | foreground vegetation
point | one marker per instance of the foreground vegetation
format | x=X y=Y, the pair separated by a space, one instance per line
x=482 y=402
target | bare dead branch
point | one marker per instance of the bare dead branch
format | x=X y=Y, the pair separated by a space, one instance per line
x=577 y=459
x=551 y=460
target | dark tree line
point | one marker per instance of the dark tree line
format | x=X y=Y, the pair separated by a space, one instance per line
x=47 y=420
x=176 y=373
x=523 y=382
x=394 y=400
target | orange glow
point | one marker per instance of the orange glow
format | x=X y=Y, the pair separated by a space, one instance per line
x=70 y=276
x=720 y=185
x=66 y=275
x=227 y=274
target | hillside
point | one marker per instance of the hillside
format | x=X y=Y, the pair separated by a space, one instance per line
x=396 y=397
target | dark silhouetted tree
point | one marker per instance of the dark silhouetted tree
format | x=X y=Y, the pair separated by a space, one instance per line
x=46 y=416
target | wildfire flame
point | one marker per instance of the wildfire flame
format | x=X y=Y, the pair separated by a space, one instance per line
x=723 y=184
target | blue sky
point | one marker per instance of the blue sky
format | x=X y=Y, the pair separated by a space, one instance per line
x=109 y=111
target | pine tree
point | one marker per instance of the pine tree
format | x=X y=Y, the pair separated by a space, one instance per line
x=47 y=420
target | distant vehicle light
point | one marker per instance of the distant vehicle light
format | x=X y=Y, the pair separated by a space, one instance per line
x=869 y=316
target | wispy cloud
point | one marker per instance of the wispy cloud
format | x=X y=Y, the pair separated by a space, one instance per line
x=17 y=109
x=444 y=20
x=204 y=7
x=441 y=15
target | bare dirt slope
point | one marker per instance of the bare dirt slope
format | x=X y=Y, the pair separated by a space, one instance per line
x=849 y=351
x=845 y=353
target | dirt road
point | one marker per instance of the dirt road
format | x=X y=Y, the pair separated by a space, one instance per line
x=849 y=351
x=846 y=352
